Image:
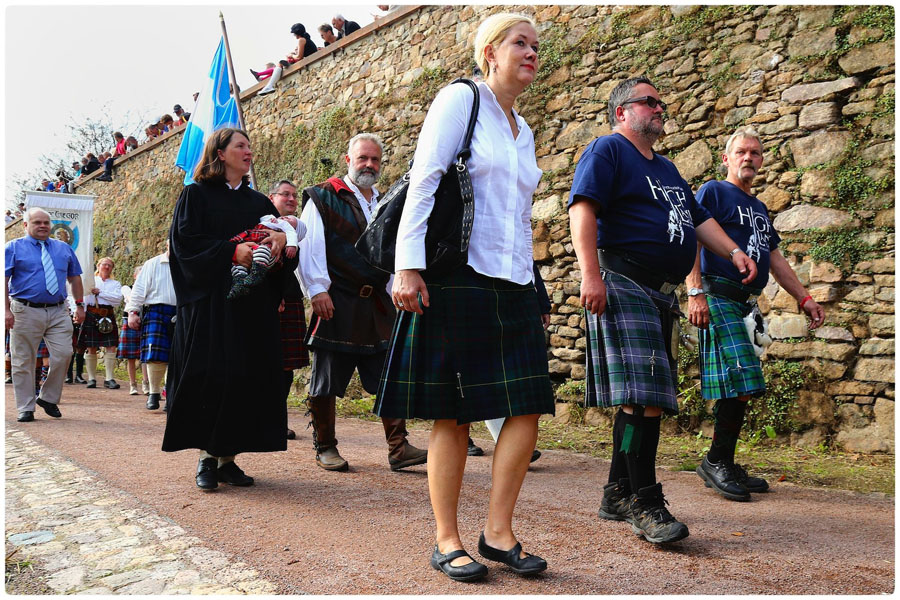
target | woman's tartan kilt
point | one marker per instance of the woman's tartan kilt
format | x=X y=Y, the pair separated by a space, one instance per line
x=728 y=365
x=630 y=354
x=293 y=330
x=156 y=333
x=478 y=352
x=90 y=336
x=129 y=341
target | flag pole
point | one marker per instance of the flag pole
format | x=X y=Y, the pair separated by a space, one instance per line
x=236 y=90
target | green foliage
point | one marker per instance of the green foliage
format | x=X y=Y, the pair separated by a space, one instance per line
x=424 y=87
x=885 y=104
x=878 y=17
x=770 y=413
x=841 y=246
x=688 y=25
x=851 y=185
x=571 y=391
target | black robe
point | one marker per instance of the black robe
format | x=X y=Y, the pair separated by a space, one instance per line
x=224 y=386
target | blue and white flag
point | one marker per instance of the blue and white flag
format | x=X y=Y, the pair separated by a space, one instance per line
x=216 y=108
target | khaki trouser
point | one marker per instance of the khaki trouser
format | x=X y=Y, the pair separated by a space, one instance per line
x=52 y=324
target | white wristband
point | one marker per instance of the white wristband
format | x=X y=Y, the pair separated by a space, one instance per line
x=733 y=252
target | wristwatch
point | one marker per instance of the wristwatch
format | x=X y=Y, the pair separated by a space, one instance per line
x=695 y=291
x=733 y=252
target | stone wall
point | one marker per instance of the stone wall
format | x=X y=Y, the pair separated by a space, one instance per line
x=816 y=81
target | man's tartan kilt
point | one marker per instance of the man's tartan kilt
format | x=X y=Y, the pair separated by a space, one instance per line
x=478 y=352
x=728 y=365
x=156 y=332
x=293 y=330
x=129 y=341
x=42 y=350
x=90 y=336
x=630 y=358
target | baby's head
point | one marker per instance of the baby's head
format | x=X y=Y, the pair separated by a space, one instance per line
x=291 y=219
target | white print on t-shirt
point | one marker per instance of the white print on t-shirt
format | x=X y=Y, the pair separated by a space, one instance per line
x=759 y=224
x=679 y=216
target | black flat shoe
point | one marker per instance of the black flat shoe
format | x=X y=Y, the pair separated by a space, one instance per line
x=232 y=474
x=472 y=571
x=80 y=379
x=111 y=384
x=26 y=416
x=153 y=401
x=206 y=473
x=529 y=565
x=92 y=383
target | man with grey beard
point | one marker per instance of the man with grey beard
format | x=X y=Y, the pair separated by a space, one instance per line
x=352 y=311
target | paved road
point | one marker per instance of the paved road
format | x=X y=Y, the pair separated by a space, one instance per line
x=91 y=498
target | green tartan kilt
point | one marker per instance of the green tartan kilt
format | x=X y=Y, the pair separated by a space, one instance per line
x=728 y=365
x=478 y=352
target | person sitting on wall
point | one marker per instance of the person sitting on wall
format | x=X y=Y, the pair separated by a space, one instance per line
x=131 y=143
x=89 y=164
x=152 y=131
x=343 y=26
x=108 y=161
x=166 y=123
x=327 y=34
x=120 y=144
x=182 y=116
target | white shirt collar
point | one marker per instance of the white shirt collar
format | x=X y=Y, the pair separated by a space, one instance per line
x=235 y=188
x=359 y=194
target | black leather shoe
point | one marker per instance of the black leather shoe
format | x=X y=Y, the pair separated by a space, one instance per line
x=291 y=434
x=68 y=380
x=92 y=383
x=474 y=450
x=206 y=473
x=50 y=409
x=755 y=485
x=26 y=416
x=232 y=474
x=535 y=455
x=153 y=401
x=111 y=384
x=529 y=565
x=80 y=379
x=472 y=571
x=722 y=478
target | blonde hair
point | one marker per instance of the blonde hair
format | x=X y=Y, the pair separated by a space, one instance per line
x=111 y=262
x=492 y=31
x=742 y=132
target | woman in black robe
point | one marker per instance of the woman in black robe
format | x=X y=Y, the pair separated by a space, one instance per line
x=224 y=386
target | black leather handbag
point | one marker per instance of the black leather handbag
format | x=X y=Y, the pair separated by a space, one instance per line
x=450 y=223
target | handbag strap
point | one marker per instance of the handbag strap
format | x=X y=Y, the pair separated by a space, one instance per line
x=466 y=151
x=465 y=182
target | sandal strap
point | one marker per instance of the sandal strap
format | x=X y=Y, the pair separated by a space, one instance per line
x=446 y=558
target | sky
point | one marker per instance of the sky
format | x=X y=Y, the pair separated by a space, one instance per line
x=67 y=61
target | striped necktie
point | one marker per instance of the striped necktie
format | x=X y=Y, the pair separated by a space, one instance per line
x=49 y=269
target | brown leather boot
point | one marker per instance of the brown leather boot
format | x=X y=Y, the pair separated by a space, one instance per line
x=321 y=409
x=401 y=453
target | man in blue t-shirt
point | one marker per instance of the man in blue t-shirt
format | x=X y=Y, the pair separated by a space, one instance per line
x=37 y=269
x=635 y=226
x=730 y=371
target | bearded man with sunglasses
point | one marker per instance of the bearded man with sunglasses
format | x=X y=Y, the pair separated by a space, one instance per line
x=635 y=225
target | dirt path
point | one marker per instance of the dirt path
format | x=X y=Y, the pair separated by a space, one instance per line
x=370 y=531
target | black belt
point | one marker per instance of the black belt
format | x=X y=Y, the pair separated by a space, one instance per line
x=730 y=292
x=39 y=304
x=632 y=270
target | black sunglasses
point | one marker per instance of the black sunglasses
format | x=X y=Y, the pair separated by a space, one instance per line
x=649 y=100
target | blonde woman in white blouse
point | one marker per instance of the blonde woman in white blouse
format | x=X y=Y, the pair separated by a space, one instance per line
x=473 y=348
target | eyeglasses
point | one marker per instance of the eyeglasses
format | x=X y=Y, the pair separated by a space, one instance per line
x=287 y=194
x=649 y=101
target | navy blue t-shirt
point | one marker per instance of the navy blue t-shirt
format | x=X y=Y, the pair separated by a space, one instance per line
x=644 y=207
x=746 y=221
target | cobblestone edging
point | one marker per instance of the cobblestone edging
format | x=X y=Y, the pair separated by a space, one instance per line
x=94 y=539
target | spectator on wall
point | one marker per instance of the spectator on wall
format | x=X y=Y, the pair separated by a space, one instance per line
x=166 y=123
x=120 y=143
x=182 y=116
x=152 y=131
x=130 y=143
x=343 y=26
x=327 y=34
x=108 y=161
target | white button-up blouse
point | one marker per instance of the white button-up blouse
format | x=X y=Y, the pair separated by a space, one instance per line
x=504 y=175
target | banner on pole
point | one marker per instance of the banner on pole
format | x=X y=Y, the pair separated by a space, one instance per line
x=71 y=221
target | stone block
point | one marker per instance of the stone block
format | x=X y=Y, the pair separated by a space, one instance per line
x=738 y=114
x=817 y=183
x=553 y=162
x=812 y=42
x=858 y=108
x=787 y=326
x=563 y=413
x=810 y=439
x=814 y=349
x=546 y=209
x=558 y=367
x=874 y=369
x=775 y=198
x=862 y=293
x=819 y=114
x=867 y=57
x=695 y=160
x=884 y=417
x=807 y=216
x=877 y=347
x=813 y=408
x=578 y=371
x=834 y=333
x=814 y=17
x=866 y=440
x=819 y=148
x=824 y=272
x=568 y=354
x=785 y=123
x=541 y=251
x=813 y=91
x=578 y=133
x=849 y=388
x=597 y=417
x=823 y=293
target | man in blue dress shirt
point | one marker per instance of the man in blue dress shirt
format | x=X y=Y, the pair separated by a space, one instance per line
x=37 y=268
